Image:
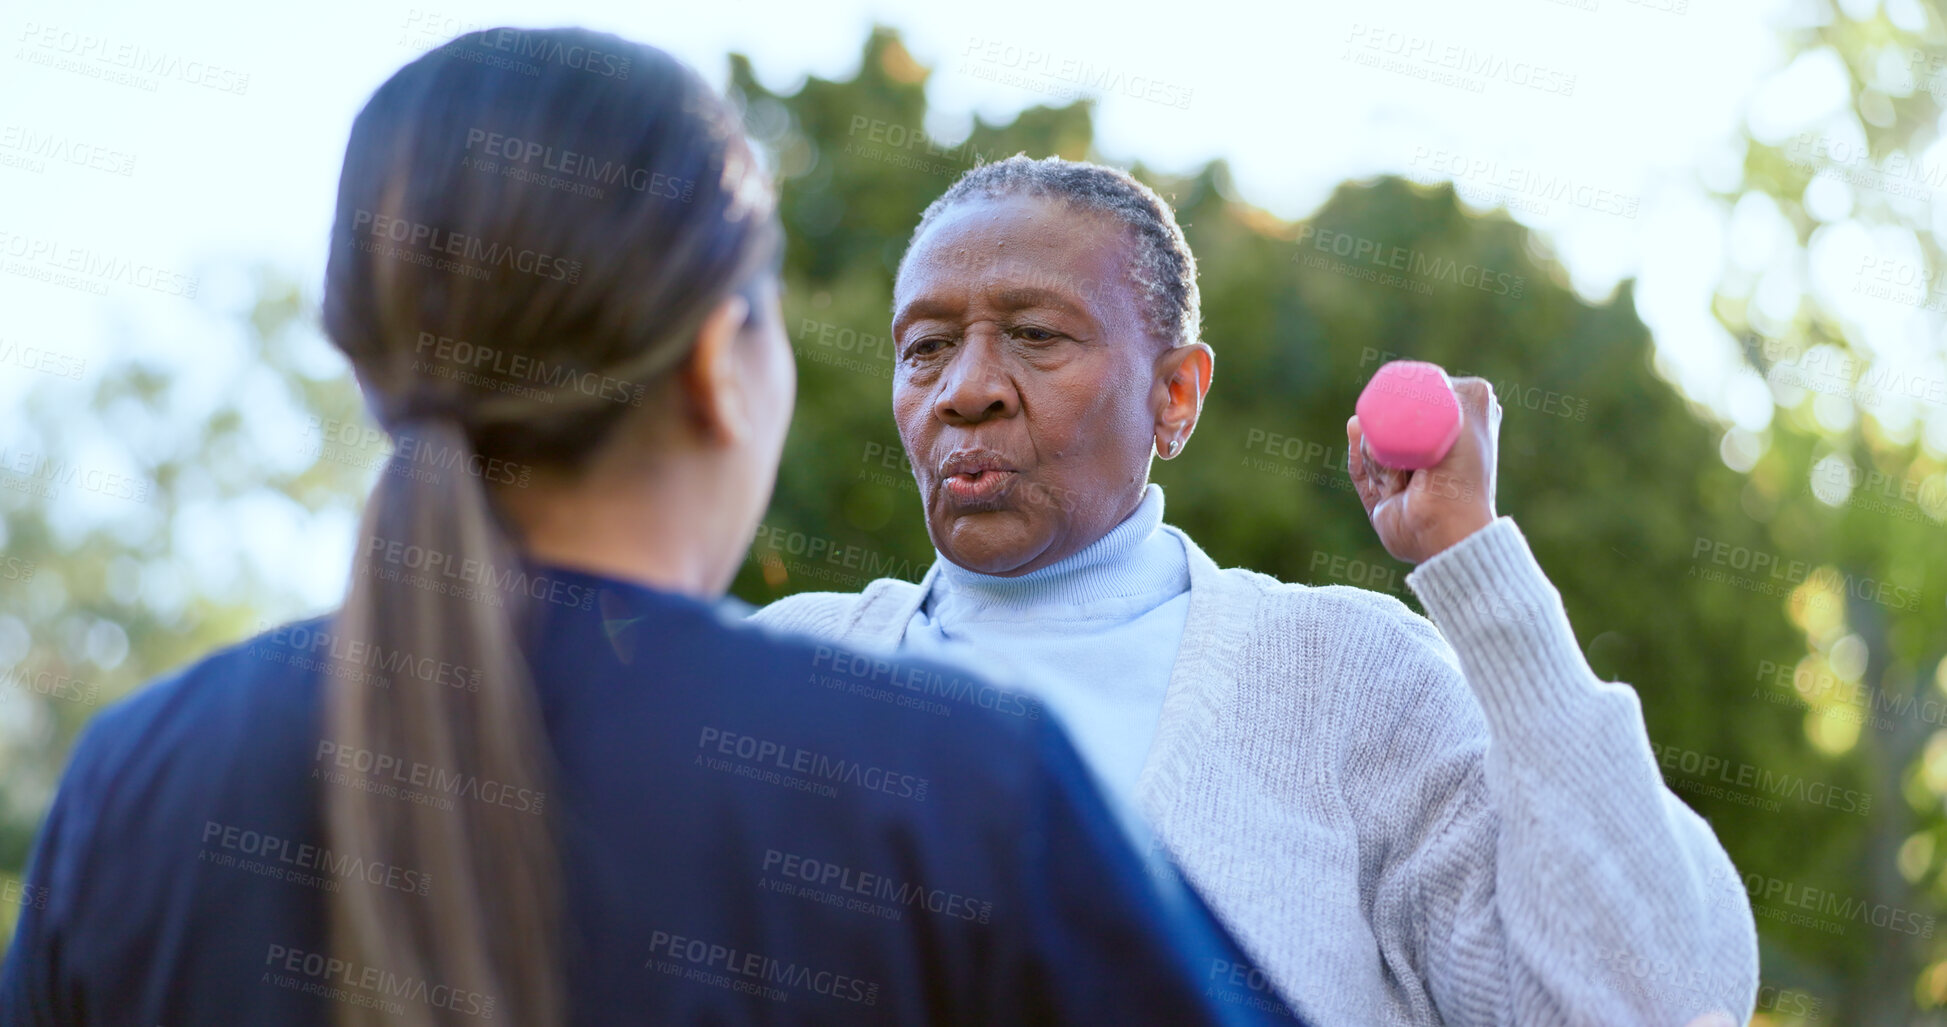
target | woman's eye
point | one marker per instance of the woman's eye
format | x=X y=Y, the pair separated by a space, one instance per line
x=1035 y=334
x=924 y=347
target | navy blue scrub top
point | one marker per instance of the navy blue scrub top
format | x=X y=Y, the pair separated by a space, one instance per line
x=754 y=828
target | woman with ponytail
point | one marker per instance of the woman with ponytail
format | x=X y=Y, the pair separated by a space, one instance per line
x=536 y=770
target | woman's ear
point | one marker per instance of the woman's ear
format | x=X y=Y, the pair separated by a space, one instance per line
x=712 y=384
x=1182 y=380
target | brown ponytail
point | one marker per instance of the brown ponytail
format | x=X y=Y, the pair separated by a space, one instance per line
x=486 y=931
x=440 y=254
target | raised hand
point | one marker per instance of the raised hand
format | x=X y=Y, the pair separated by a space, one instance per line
x=1420 y=513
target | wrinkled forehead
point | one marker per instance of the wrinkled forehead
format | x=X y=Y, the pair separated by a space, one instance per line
x=1018 y=250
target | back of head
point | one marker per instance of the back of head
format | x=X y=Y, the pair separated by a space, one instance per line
x=531 y=226
x=582 y=220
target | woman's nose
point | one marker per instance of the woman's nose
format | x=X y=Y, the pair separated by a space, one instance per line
x=977 y=384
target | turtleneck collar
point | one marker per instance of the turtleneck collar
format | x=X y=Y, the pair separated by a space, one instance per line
x=1136 y=565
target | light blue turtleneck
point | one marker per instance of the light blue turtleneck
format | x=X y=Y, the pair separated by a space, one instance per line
x=1094 y=635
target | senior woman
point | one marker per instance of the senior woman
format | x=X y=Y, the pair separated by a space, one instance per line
x=1404 y=823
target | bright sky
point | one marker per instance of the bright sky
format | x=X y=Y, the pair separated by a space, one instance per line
x=234 y=158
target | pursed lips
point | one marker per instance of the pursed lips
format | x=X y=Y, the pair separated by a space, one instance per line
x=975 y=475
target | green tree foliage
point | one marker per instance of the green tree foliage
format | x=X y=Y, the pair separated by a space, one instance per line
x=111 y=494
x=1615 y=477
x=1843 y=477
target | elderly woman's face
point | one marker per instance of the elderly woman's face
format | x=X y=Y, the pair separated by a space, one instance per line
x=1025 y=385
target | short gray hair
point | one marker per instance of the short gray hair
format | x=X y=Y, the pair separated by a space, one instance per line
x=1163 y=269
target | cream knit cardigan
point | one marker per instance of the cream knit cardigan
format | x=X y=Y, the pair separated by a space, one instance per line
x=1405 y=824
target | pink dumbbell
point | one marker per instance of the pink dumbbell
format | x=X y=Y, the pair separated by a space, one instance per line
x=1409 y=415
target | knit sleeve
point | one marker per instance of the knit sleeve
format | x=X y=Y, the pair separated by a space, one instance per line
x=1528 y=865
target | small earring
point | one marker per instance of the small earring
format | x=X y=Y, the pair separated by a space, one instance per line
x=1169 y=449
